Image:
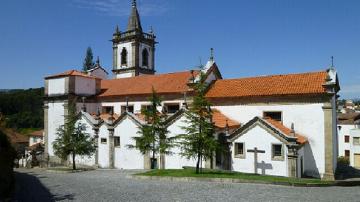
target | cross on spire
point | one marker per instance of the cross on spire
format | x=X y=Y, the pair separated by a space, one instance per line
x=133 y=3
x=332 y=61
x=211 y=54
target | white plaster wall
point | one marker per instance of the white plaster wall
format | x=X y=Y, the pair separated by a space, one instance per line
x=126 y=158
x=308 y=120
x=55 y=120
x=176 y=161
x=86 y=160
x=263 y=140
x=149 y=49
x=56 y=86
x=124 y=75
x=345 y=130
x=85 y=86
x=128 y=47
x=103 y=149
x=34 y=139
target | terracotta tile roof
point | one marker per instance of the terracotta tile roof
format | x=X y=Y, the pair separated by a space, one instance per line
x=106 y=116
x=39 y=133
x=348 y=118
x=290 y=84
x=16 y=137
x=287 y=131
x=142 y=85
x=220 y=120
x=70 y=73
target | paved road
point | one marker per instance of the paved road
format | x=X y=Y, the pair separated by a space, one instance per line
x=114 y=185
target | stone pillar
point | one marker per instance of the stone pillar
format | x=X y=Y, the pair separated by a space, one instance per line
x=328 y=143
x=96 y=140
x=162 y=161
x=111 y=148
x=46 y=131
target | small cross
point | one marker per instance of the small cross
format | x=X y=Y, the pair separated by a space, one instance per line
x=255 y=151
x=332 y=61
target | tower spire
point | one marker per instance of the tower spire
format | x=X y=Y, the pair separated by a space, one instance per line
x=134 y=19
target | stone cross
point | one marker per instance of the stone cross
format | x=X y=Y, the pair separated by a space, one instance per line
x=255 y=151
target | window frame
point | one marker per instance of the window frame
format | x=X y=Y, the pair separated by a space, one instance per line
x=281 y=115
x=358 y=142
x=236 y=151
x=166 y=106
x=103 y=142
x=123 y=108
x=347 y=151
x=346 y=138
x=145 y=57
x=277 y=158
x=115 y=141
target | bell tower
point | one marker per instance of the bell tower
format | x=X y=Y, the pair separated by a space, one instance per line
x=133 y=50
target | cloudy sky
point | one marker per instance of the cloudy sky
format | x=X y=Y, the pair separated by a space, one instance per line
x=250 y=38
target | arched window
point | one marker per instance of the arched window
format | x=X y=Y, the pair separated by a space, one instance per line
x=124 y=56
x=145 y=58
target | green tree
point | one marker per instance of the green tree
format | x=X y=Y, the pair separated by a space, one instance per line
x=88 y=61
x=72 y=139
x=198 y=142
x=153 y=134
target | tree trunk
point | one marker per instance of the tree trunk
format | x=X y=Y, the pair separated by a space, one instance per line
x=198 y=163
x=73 y=161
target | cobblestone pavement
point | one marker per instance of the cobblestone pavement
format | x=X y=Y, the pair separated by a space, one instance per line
x=115 y=185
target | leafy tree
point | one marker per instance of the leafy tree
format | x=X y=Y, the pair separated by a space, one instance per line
x=72 y=138
x=153 y=134
x=7 y=157
x=88 y=61
x=198 y=142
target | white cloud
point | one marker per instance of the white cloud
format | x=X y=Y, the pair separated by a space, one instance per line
x=122 y=7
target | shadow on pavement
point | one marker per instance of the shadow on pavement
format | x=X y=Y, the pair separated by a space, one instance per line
x=29 y=188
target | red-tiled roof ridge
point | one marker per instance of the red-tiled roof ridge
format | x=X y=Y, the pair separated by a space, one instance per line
x=175 y=82
x=287 y=131
x=276 y=75
x=220 y=120
x=282 y=84
x=72 y=72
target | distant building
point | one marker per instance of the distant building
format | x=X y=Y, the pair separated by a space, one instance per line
x=349 y=137
x=36 y=137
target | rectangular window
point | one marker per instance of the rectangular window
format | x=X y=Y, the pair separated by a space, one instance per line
x=146 y=107
x=277 y=152
x=239 y=149
x=347 y=138
x=347 y=153
x=116 y=141
x=171 y=108
x=130 y=108
x=273 y=115
x=356 y=140
x=103 y=140
x=107 y=109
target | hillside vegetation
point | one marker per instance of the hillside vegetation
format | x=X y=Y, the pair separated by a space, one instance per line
x=21 y=109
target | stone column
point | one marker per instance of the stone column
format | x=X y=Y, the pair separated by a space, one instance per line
x=46 y=131
x=111 y=148
x=96 y=140
x=328 y=143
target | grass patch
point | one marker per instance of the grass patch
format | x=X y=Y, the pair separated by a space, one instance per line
x=210 y=173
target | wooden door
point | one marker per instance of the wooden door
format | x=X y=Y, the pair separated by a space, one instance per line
x=357 y=160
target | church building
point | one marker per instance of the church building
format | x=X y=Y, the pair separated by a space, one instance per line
x=283 y=125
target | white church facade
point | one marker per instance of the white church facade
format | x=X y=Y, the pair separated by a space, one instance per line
x=282 y=125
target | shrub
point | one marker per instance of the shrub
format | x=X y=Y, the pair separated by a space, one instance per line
x=7 y=157
x=342 y=160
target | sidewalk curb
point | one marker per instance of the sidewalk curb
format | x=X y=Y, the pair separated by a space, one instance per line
x=228 y=180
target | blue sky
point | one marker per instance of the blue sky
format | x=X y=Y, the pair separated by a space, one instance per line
x=250 y=38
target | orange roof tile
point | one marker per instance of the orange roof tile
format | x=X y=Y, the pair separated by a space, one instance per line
x=287 y=131
x=39 y=133
x=70 y=73
x=142 y=85
x=220 y=120
x=290 y=84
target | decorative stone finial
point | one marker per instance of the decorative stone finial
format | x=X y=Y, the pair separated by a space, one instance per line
x=97 y=116
x=127 y=104
x=133 y=4
x=227 y=127
x=211 y=54
x=292 y=131
x=332 y=61
x=83 y=108
x=98 y=61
